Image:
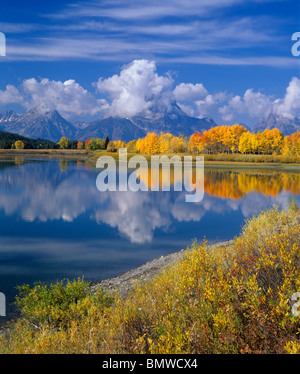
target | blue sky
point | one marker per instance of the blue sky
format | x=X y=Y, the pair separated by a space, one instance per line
x=227 y=59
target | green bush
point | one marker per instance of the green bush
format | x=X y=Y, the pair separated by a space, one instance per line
x=228 y=299
x=57 y=304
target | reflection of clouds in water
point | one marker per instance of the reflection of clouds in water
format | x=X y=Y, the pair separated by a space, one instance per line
x=136 y=214
x=187 y=212
x=66 y=201
x=253 y=203
x=38 y=192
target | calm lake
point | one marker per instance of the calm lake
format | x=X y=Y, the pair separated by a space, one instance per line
x=55 y=224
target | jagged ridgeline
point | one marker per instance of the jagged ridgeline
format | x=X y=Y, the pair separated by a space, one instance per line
x=7 y=141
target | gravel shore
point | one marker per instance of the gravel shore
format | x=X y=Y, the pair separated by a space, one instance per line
x=124 y=283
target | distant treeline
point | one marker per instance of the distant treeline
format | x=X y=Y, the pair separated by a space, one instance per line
x=235 y=139
x=12 y=141
x=8 y=140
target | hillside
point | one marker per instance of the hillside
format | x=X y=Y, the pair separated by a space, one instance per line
x=113 y=128
x=36 y=124
x=7 y=139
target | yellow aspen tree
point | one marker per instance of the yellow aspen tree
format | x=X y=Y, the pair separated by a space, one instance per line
x=245 y=143
x=151 y=143
x=179 y=145
x=19 y=144
x=165 y=143
x=295 y=142
x=63 y=143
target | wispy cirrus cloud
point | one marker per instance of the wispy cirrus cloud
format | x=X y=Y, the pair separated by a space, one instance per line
x=143 y=9
x=179 y=31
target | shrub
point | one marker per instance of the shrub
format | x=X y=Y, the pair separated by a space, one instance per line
x=232 y=299
x=57 y=304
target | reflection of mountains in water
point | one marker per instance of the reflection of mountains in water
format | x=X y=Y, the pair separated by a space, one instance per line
x=33 y=173
x=46 y=191
x=232 y=184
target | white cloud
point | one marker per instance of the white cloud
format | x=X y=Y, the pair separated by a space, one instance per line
x=137 y=89
x=289 y=106
x=11 y=95
x=258 y=105
x=208 y=105
x=68 y=97
x=190 y=92
x=197 y=101
x=254 y=104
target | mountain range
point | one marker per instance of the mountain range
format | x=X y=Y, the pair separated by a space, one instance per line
x=285 y=125
x=52 y=126
x=35 y=124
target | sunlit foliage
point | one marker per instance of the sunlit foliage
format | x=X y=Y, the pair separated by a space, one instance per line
x=19 y=144
x=227 y=299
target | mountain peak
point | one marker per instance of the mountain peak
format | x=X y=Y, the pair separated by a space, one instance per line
x=38 y=110
x=37 y=123
x=286 y=125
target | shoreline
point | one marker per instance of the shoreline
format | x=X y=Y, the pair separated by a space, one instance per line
x=124 y=282
x=70 y=154
x=91 y=157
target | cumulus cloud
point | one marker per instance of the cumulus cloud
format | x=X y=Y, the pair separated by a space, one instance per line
x=10 y=95
x=289 y=106
x=254 y=104
x=137 y=89
x=68 y=97
x=195 y=100
x=258 y=105
x=208 y=106
x=190 y=92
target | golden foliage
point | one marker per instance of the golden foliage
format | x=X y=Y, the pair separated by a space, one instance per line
x=64 y=142
x=19 y=144
x=232 y=299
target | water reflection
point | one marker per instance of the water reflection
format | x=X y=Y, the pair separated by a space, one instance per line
x=54 y=223
x=60 y=190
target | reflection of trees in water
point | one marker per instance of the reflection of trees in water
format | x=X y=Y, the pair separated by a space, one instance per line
x=40 y=191
x=235 y=185
x=231 y=184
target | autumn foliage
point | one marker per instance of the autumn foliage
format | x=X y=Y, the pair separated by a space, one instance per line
x=80 y=145
x=235 y=139
x=213 y=300
x=19 y=144
x=219 y=140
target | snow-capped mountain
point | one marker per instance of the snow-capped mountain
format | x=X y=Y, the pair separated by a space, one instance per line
x=37 y=124
x=173 y=120
x=52 y=126
x=285 y=125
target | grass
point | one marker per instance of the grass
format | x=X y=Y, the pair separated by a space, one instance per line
x=234 y=299
x=238 y=159
x=63 y=154
x=253 y=158
x=43 y=151
x=273 y=161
